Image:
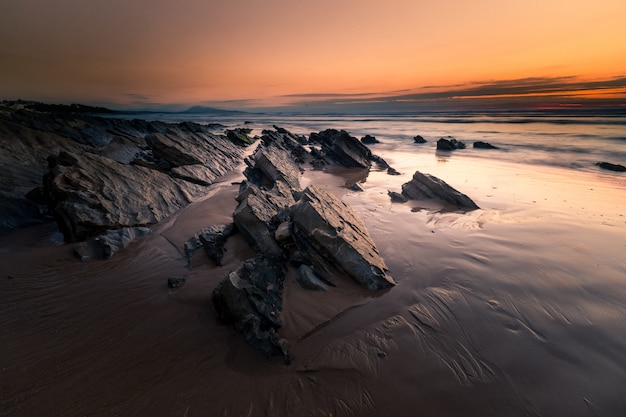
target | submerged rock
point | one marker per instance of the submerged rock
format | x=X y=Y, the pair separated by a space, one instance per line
x=369 y=140
x=484 y=145
x=424 y=186
x=611 y=167
x=419 y=139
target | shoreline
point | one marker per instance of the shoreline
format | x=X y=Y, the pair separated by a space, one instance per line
x=509 y=303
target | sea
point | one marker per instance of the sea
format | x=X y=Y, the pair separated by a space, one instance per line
x=568 y=139
x=514 y=309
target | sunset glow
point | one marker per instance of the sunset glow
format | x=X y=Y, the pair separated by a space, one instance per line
x=248 y=53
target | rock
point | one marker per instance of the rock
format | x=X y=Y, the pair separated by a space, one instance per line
x=97 y=193
x=392 y=171
x=108 y=244
x=256 y=216
x=93 y=155
x=380 y=162
x=176 y=282
x=424 y=186
x=341 y=148
x=331 y=237
x=369 y=140
x=250 y=298
x=419 y=139
x=275 y=163
x=283 y=233
x=397 y=197
x=212 y=239
x=89 y=193
x=240 y=137
x=356 y=187
x=611 y=167
x=308 y=280
x=449 y=144
x=484 y=145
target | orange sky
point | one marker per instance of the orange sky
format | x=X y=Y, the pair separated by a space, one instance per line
x=135 y=52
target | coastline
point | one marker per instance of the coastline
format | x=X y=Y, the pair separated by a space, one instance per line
x=519 y=303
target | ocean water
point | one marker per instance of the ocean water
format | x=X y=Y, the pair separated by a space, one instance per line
x=566 y=140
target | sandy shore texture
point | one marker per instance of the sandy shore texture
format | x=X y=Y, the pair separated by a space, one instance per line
x=516 y=309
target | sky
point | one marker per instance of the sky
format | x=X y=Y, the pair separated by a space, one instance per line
x=244 y=54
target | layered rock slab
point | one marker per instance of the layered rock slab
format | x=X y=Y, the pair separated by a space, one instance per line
x=425 y=186
x=331 y=237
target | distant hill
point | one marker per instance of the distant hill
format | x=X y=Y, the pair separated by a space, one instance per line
x=57 y=108
x=210 y=110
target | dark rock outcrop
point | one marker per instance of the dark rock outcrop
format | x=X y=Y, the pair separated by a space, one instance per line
x=308 y=280
x=419 y=139
x=397 y=197
x=259 y=214
x=369 y=140
x=449 y=144
x=109 y=243
x=251 y=299
x=212 y=239
x=103 y=173
x=313 y=229
x=424 y=186
x=88 y=193
x=331 y=237
x=484 y=145
x=611 y=167
x=341 y=148
x=176 y=282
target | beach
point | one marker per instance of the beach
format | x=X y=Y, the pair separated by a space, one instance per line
x=515 y=309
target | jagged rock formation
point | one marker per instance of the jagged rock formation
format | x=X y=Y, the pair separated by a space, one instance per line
x=449 y=144
x=424 y=186
x=311 y=228
x=331 y=237
x=251 y=299
x=103 y=173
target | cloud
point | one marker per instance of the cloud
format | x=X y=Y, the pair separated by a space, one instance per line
x=516 y=92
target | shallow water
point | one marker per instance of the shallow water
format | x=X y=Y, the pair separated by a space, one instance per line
x=516 y=309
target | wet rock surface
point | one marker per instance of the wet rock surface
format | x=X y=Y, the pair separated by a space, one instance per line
x=311 y=228
x=250 y=298
x=103 y=174
x=330 y=236
x=424 y=186
x=449 y=144
x=109 y=243
x=611 y=167
x=484 y=145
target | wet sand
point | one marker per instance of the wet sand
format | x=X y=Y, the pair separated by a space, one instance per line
x=517 y=309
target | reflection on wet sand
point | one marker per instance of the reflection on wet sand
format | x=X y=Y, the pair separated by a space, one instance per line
x=513 y=309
